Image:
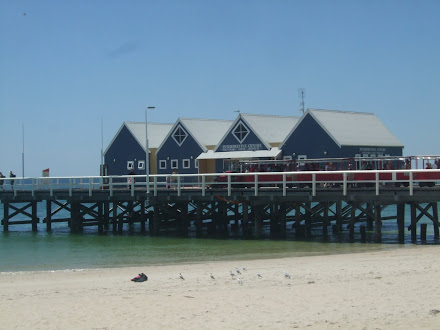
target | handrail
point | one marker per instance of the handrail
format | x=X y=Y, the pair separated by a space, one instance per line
x=257 y=181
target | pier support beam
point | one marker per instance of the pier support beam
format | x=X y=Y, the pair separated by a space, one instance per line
x=401 y=221
x=48 y=215
x=259 y=209
x=282 y=215
x=5 y=216
x=378 y=222
x=245 y=223
x=413 y=222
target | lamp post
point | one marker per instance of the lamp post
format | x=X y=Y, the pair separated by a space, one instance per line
x=147 y=155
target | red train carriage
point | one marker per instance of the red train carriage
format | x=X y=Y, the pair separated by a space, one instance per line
x=272 y=171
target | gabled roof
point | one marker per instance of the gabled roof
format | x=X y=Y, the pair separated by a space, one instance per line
x=269 y=129
x=272 y=129
x=206 y=132
x=352 y=128
x=156 y=133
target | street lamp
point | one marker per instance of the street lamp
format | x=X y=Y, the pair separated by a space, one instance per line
x=147 y=155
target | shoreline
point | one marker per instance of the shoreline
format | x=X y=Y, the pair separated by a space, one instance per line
x=385 y=289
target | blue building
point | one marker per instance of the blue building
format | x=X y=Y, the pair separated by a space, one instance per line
x=185 y=141
x=250 y=137
x=126 y=151
x=339 y=134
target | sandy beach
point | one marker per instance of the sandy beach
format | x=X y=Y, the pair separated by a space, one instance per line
x=393 y=289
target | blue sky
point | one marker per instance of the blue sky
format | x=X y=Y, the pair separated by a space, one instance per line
x=65 y=65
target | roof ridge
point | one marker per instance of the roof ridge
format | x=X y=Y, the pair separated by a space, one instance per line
x=343 y=111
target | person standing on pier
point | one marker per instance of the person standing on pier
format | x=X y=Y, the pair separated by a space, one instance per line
x=2 y=181
x=12 y=175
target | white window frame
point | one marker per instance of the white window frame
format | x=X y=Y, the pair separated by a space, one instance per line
x=301 y=157
x=174 y=164
x=130 y=165
x=162 y=164
x=196 y=163
x=141 y=164
x=188 y=163
x=287 y=157
x=243 y=137
x=183 y=131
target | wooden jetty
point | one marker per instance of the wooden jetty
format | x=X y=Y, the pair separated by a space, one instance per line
x=205 y=208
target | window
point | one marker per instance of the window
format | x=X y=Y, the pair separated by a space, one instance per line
x=186 y=163
x=162 y=164
x=196 y=163
x=130 y=165
x=141 y=164
x=174 y=164
x=179 y=135
x=240 y=132
x=301 y=157
x=287 y=157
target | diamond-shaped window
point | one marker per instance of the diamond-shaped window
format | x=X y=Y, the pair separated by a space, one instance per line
x=240 y=132
x=179 y=135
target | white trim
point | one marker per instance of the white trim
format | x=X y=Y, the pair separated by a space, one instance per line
x=130 y=165
x=183 y=130
x=141 y=164
x=188 y=163
x=196 y=163
x=176 y=162
x=274 y=152
x=162 y=164
x=243 y=126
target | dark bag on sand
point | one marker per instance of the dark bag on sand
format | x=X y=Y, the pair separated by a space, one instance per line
x=140 y=278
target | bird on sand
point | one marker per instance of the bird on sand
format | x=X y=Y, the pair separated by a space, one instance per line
x=231 y=273
x=259 y=275
x=244 y=268
x=237 y=270
x=212 y=276
x=181 y=276
x=240 y=281
x=286 y=274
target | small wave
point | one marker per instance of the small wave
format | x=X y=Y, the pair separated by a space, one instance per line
x=43 y=271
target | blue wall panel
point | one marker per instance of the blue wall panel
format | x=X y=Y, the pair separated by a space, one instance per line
x=250 y=143
x=170 y=149
x=124 y=148
x=311 y=140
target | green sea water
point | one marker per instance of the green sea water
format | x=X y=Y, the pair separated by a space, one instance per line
x=23 y=250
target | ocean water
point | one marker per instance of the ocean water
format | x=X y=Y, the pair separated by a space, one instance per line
x=23 y=250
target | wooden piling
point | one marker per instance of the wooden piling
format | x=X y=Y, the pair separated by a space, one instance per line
x=143 y=205
x=100 y=218
x=5 y=216
x=35 y=218
x=363 y=233
x=378 y=222
x=258 y=220
x=199 y=220
x=401 y=221
x=156 y=220
x=435 y=221
x=245 y=223
x=48 y=215
x=352 y=220
x=413 y=222
x=423 y=228
x=282 y=214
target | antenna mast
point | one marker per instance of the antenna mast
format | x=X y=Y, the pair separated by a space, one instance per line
x=301 y=94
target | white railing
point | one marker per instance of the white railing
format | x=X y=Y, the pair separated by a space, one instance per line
x=258 y=182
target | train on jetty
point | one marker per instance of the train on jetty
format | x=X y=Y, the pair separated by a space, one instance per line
x=333 y=172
